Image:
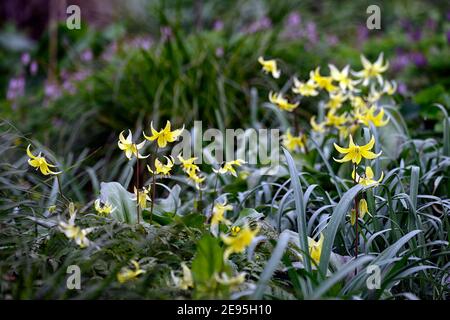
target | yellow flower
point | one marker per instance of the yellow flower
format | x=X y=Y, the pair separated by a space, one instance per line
x=225 y=280
x=336 y=100
x=130 y=148
x=188 y=164
x=355 y=153
x=164 y=136
x=282 y=102
x=195 y=178
x=161 y=168
x=186 y=281
x=377 y=120
x=363 y=208
x=293 y=143
x=372 y=70
x=127 y=274
x=75 y=233
x=353 y=216
x=390 y=87
x=305 y=89
x=333 y=120
x=238 y=243
x=357 y=102
x=104 y=210
x=367 y=179
x=218 y=216
x=315 y=248
x=141 y=197
x=228 y=167
x=345 y=82
x=270 y=66
x=40 y=163
x=317 y=127
x=345 y=131
x=323 y=82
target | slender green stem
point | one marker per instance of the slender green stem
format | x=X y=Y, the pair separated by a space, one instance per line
x=60 y=188
x=137 y=188
x=357 y=215
x=153 y=185
x=214 y=195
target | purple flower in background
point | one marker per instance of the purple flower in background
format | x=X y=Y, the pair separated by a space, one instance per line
x=259 y=25
x=448 y=15
x=87 y=55
x=415 y=35
x=431 y=24
x=400 y=61
x=16 y=88
x=418 y=58
x=52 y=90
x=332 y=40
x=311 y=32
x=219 y=52
x=218 y=25
x=294 y=20
x=402 y=89
x=166 y=33
x=25 y=58
x=362 y=33
x=448 y=37
x=34 y=67
x=144 y=42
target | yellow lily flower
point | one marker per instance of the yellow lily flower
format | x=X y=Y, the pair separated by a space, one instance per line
x=141 y=197
x=184 y=282
x=161 y=168
x=225 y=280
x=363 y=208
x=317 y=127
x=355 y=153
x=372 y=70
x=390 y=87
x=131 y=149
x=323 y=82
x=307 y=89
x=336 y=100
x=367 y=179
x=345 y=131
x=228 y=167
x=357 y=102
x=345 y=82
x=315 y=248
x=293 y=143
x=377 y=120
x=281 y=102
x=127 y=274
x=74 y=232
x=270 y=66
x=104 y=210
x=188 y=164
x=235 y=230
x=333 y=120
x=165 y=135
x=218 y=216
x=238 y=243
x=39 y=162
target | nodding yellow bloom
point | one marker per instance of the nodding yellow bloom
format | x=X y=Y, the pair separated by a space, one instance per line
x=345 y=82
x=270 y=66
x=127 y=274
x=355 y=153
x=165 y=135
x=188 y=164
x=306 y=89
x=353 y=216
x=74 y=232
x=357 y=102
x=377 y=120
x=315 y=248
x=390 y=87
x=323 y=82
x=238 y=243
x=235 y=230
x=293 y=143
x=131 y=149
x=184 y=282
x=141 y=197
x=194 y=177
x=218 y=216
x=345 y=130
x=104 y=210
x=228 y=167
x=161 y=168
x=367 y=179
x=40 y=163
x=317 y=127
x=363 y=208
x=231 y=282
x=336 y=100
x=372 y=70
x=282 y=102
x=333 y=120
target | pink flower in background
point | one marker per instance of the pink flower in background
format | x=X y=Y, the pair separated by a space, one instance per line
x=87 y=55
x=166 y=33
x=218 y=25
x=16 y=88
x=25 y=58
x=262 y=24
x=34 y=67
x=52 y=90
x=294 y=20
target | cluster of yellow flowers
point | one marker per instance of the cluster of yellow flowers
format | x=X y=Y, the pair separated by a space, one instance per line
x=351 y=101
